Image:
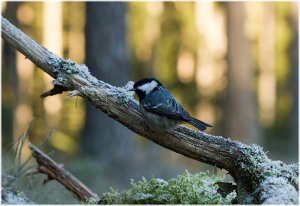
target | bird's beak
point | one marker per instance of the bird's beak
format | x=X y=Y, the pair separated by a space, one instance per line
x=132 y=89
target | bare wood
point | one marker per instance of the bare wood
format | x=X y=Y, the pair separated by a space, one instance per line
x=35 y=52
x=246 y=163
x=55 y=171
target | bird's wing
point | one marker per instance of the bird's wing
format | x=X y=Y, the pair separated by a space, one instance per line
x=171 y=109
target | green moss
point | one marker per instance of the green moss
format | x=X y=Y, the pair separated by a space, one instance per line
x=250 y=163
x=256 y=171
x=92 y=201
x=293 y=174
x=199 y=188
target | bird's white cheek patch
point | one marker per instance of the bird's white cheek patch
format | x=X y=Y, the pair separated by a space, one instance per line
x=147 y=88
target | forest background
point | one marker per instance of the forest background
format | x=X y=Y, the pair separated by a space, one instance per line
x=234 y=65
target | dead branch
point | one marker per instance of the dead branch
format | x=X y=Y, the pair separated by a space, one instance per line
x=55 y=171
x=258 y=179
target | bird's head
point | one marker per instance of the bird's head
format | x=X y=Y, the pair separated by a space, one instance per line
x=145 y=86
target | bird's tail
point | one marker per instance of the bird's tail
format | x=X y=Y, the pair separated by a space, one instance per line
x=199 y=124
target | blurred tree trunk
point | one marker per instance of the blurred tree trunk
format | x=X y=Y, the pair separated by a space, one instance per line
x=240 y=109
x=9 y=80
x=39 y=126
x=294 y=55
x=108 y=59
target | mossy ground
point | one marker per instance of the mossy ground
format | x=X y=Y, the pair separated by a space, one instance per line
x=187 y=188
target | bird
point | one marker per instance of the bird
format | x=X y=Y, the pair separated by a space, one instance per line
x=160 y=109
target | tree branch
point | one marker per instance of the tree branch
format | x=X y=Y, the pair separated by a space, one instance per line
x=55 y=171
x=118 y=103
x=248 y=164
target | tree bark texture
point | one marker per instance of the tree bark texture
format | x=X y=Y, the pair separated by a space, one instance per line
x=258 y=179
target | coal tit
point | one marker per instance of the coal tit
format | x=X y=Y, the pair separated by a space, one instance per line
x=160 y=109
